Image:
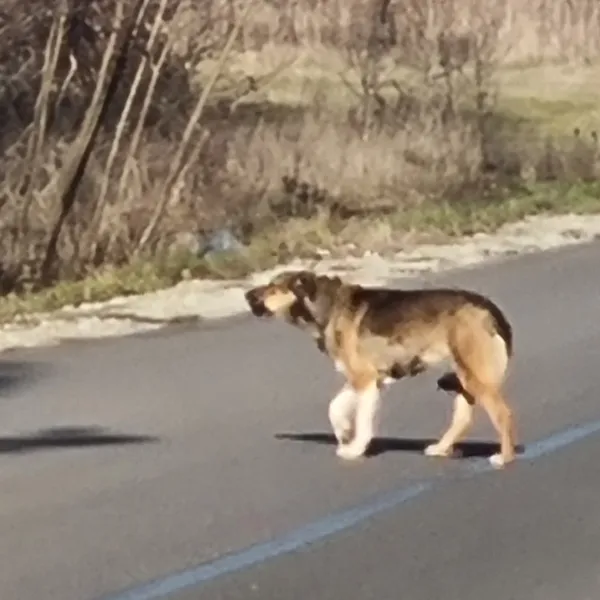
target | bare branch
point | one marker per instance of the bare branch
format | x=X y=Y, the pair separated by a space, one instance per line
x=70 y=176
x=187 y=134
x=98 y=213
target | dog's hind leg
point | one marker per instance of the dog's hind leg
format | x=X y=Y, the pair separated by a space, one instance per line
x=341 y=414
x=502 y=419
x=486 y=379
x=483 y=361
x=367 y=406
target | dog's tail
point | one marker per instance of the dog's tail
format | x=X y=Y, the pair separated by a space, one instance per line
x=502 y=327
x=499 y=324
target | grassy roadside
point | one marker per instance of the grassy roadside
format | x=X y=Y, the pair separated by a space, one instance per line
x=301 y=238
x=554 y=99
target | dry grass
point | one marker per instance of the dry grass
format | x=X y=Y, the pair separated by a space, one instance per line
x=539 y=31
x=297 y=125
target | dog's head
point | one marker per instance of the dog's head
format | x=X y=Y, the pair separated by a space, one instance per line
x=282 y=296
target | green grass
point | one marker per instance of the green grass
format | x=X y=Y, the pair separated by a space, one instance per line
x=556 y=98
x=557 y=117
x=459 y=219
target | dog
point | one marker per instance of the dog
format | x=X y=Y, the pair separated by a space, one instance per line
x=379 y=335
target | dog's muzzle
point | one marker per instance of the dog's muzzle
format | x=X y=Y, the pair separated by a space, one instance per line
x=256 y=305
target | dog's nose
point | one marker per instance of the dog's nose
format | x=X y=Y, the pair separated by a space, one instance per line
x=254 y=301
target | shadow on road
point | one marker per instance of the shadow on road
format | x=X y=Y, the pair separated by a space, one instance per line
x=15 y=375
x=380 y=445
x=69 y=437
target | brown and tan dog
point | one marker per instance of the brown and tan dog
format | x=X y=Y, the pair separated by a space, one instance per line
x=379 y=335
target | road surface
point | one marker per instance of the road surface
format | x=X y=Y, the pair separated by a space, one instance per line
x=197 y=464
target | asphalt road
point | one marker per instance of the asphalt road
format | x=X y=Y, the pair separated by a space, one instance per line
x=125 y=461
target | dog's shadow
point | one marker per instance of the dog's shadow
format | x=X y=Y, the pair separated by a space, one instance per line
x=381 y=445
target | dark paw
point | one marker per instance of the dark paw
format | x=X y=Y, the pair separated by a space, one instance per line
x=396 y=372
x=449 y=382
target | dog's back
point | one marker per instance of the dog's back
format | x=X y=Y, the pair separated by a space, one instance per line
x=416 y=328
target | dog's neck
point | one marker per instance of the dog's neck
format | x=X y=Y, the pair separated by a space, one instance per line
x=299 y=315
x=324 y=302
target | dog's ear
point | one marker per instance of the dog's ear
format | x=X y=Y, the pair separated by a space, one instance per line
x=304 y=285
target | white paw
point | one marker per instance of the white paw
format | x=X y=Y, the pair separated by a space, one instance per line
x=437 y=450
x=349 y=451
x=497 y=461
x=344 y=435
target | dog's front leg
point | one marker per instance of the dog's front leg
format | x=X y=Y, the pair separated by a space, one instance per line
x=367 y=405
x=341 y=414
